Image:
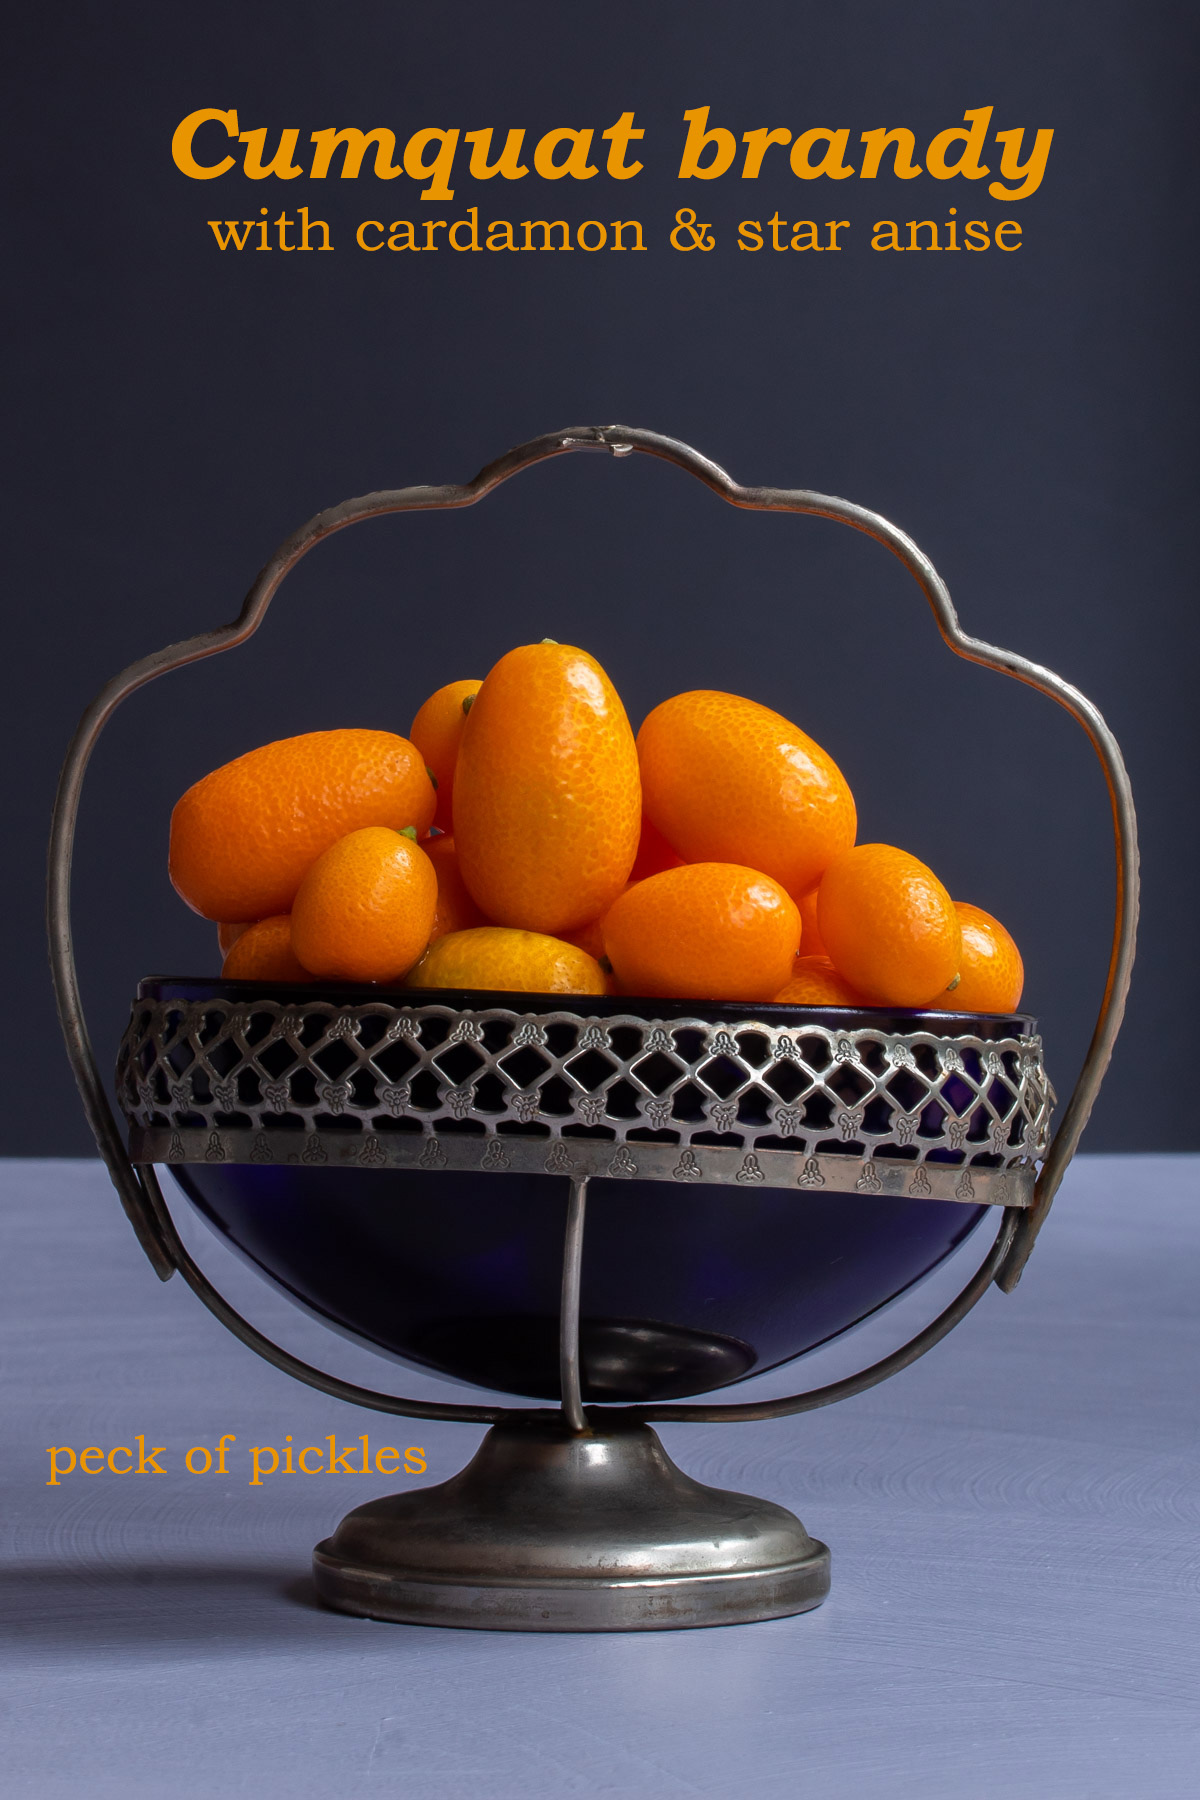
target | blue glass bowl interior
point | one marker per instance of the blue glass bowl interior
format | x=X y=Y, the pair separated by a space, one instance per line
x=685 y=1289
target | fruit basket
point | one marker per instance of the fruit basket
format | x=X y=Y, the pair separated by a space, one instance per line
x=611 y=1203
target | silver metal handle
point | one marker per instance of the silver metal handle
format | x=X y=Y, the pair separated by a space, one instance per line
x=138 y=1189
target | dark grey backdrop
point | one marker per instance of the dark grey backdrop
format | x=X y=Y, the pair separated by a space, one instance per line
x=1027 y=417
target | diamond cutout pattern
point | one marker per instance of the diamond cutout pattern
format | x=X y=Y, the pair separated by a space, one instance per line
x=380 y=1067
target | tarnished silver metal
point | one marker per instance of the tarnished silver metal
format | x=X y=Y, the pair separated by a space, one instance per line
x=526 y=1492
x=849 y=1109
x=549 y=1529
x=569 y=1362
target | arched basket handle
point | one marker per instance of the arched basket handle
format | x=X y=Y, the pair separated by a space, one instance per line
x=138 y=1188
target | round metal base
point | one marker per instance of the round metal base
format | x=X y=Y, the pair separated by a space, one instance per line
x=548 y=1530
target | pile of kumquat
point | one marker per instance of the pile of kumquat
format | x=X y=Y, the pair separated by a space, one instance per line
x=521 y=839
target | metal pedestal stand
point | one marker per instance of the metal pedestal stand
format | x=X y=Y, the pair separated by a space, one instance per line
x=549 y=1529
x=577 y=1519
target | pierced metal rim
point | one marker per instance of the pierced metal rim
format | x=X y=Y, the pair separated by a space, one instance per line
x=139 y=1193
x=746 y=1129
x=730 y=1171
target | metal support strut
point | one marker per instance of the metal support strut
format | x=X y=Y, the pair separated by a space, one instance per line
x=570 y=1373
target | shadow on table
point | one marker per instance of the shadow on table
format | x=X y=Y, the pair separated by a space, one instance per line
x=159 y=1605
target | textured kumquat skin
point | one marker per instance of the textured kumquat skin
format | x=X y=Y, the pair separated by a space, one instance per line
x=815 y=982
x=456 y=911
x=590 y=937
x=710 y=931
x=502 y=958
x=365 y=909
x=228 y=935
x=547 y=798
x=654 y=854
x=264 y=952
x=889 y=926
x=727 y=780
x=991 y=973
x=811 y=941
x=244 y=837
x=437 y=732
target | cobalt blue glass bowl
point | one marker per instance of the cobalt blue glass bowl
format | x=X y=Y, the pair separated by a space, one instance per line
x=685 y=1289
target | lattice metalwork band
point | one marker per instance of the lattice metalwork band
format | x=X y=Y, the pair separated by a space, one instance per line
x=431 y=1086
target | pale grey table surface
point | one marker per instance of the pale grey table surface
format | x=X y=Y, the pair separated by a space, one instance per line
x=1015 y=1526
